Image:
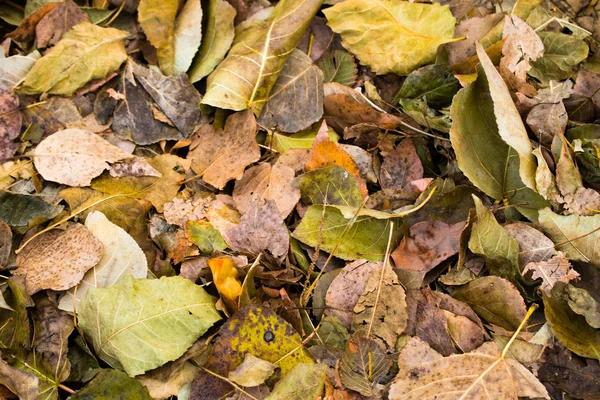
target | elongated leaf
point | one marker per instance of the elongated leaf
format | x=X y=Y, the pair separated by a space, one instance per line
x=157 y=19
x=296 y=100
x=486 y=126
x=216 y=40
x=139 y=324
x=390 y=35
x=121 y=256
x=577 y=236
x=245 y=78
x=328 y=228
x=188 y=34
x=86 y=52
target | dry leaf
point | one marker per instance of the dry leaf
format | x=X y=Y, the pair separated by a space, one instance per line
x=401 y=167
x=57 y=22
x=556 y=269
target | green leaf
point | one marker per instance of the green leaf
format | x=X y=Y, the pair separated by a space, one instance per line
x=138 y=324
x=205 y=236
x=390 y=35
x=570 y=328
x=109 y=384
x=121 y=256
x=21 y=211
x=492 y=241
x=495 y=300
x=188 y=35
x=216 y=40
x=296 y=100
x=84 y=53
x=339 y=66
x=299 y=140
x=157 y=20
x=491 y=143
x=329 y=185
x=432 y=83
x=577 y=236
x=304 y=381
x=365 y=237
x=260 y=50
x=425 y=116
x=561 y=53
x=17 y=331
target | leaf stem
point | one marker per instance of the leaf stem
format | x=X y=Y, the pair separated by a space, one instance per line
x=385 y=264
x=532 y=308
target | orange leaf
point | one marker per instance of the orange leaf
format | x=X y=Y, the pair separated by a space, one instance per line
x=225 y=279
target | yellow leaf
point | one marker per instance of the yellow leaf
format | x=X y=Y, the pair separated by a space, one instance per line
x=225 y=279
x=157 y=19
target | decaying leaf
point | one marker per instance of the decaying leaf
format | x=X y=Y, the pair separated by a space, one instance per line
x=304 y=381
x=583 y=303
x=139 y=324
x=557 y=269
x=58 y=259
x=57 y=22
x=364 y=362
x=74 y=157
x=391 y=36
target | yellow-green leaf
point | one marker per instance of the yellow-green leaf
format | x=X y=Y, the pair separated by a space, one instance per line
x=85 y=53
x=392 y=35
x=157 y=19
x=261 y=48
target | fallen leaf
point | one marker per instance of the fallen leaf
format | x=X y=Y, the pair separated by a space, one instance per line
x=216 y=40
x=57 y=22
x=188 y=35
x=25 y=32
x=534 y=246
x=58 y=259
x=22 y=212
x=391 y=36
x=121 y=256
x=304 y=381
x=329 y=185
x=561 y=53
x=260 y=229
x=71 y=64
x=157 y=19
x=296 y=99
x=224 y=276
x=583 y=303
x=140 y=324
x=137 y=166
x=363 y=364
x=432 y=83
x=111 y=384
x=253 y=371
x=21 y=383
x=267 y=182
x=339 y=66
x=473 y=30
x=14 y=69
x=401 y=167
x=495 y=300
x=557 y=269
x=224 y=154
x=483 y=373
x=260 y=50
x=5 y=244
x=74 y=157
x=10 y=124
x=205 y=236
x=521 y=46
x=381 y=308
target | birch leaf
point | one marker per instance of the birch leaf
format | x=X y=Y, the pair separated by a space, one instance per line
x=121 y=256
x=139 y=324
x=84 y=53
x=216 y=40
x=260 y=50
x=389 y=35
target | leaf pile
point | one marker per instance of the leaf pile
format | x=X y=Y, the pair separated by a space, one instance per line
x=299 y=199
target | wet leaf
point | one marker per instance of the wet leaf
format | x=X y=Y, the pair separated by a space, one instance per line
x=157 y=19
x=391 y=36
x=133 y=325
x=260 y=50
x=304 y=381
x=84 y=53
x=216 y=40
x=363 y=364
x=296 y=100
x=74 y=157
x=121 y=256
x=58 y=259
x=224 y=154
x=495 y=300
x=339 y=66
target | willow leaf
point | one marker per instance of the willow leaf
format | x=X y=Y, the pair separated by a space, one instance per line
x=260 y=50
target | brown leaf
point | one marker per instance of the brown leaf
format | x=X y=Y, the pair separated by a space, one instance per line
x=10 y=123
x=222 y=155
x=557 y=269
x=21 y=383
x=54 y=24
x=5 y=244
x=265 y=182
x=473 y=29
x=26 y=30
x=260 y=229
x=534 y=246
x=136 y=166
x=547 y=120
x=58 y=259
x=401 y=167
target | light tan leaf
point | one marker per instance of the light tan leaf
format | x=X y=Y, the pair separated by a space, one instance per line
x=74 y=156
x=58 y=259
x=483 y=374
x=223 y=155
x=253 y=371
x=557 y=269
x=121 y=256
x=157 y=19
x=85 y=53
x=266 y=182
x=188 y=34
